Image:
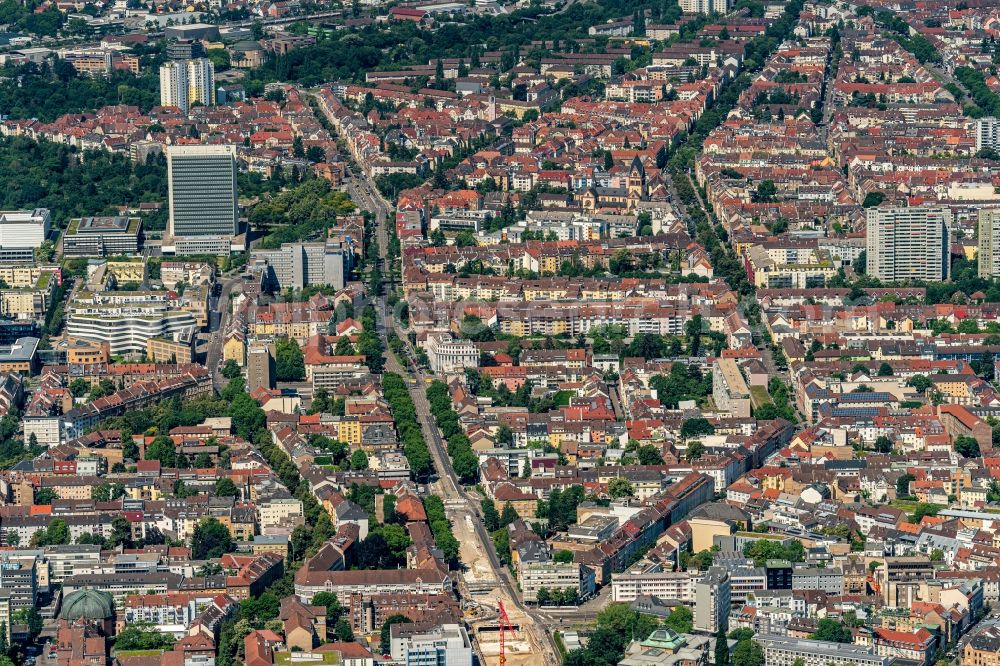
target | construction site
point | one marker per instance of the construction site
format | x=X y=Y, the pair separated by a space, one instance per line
x=524 y=642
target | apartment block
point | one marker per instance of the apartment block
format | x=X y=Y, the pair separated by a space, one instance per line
x=705 y=6
x=712 y=601
x=186 y=82
x=989 y=242
x=729 y=389
x=988 y=133
x=441 y=645
x=298 y=265
x=909 y=243
x=630 y=585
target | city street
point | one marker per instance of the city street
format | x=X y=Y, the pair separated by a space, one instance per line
x=462 y=509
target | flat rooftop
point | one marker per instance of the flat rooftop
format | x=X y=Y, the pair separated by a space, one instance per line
x=112 y=224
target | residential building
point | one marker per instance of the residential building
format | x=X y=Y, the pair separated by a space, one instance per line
x=829 y=580
x=988 y=133
x=21 y=357
x=729 y=389
x=712 y=601
x=630 y=585
x=19 y=575
x=176 y=349
x=260 y=367
x=909 y=243
x=186 y=82
x=989 y=242
x=705 y=6
x=298 y=265
x=126 y=319
x=345 y=583
x=983 y=649
x=911 y=647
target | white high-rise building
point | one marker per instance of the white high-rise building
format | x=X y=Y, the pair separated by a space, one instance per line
x=909 y=243
x=21 y=231
x=989 y=242
x=201 y=81
x=705 y=6
x=184 y=82
x=988 y=133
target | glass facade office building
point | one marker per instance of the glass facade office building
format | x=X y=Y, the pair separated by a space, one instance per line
x=202 y=182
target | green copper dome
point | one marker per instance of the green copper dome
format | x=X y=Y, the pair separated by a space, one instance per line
x=88 y=604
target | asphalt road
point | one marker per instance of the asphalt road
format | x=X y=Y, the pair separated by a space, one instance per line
x=366 y=195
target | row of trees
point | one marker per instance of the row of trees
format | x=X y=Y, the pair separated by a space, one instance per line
x=444 y=539
x=463 y=458
x=567 y=596
x=408 y=426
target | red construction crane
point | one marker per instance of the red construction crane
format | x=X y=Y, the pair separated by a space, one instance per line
x=505 y=626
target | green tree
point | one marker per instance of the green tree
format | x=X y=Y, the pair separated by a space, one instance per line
x=248 y=417
x=491 y=518
x=696 y=427
x=289 y=363
x=721 y=649
x=45 y=496
x=79 y=387
x=832 y=631
x=359 y=460
x=883 y=444
x=903 y=484
x=919 y=382
x=924 y=509
x=648 y=454
x=342 y=630
x=680 y=620
x=885 y=370
x=765 y=192
x=211 y=540
x=231 y=369
x=333 y=608
x=142 y=636
x=162 y=449
x=748 y=653
x=224 y=487
x=121 y=533
x=967 y=447
x=694 y=451
x=107 y=492
x=508 y=515
x=563 y=556
x=30 y=617
x=619 y=487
